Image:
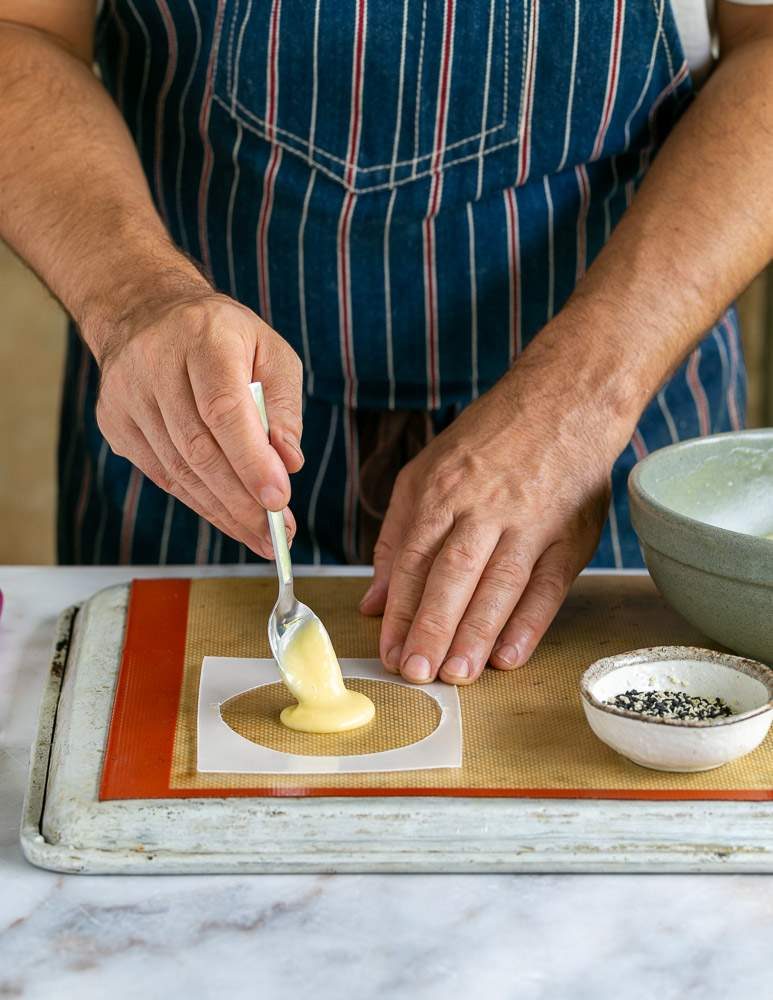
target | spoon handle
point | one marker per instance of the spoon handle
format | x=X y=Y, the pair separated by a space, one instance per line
x=276 y=524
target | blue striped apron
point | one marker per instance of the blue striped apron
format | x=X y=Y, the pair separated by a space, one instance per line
x=407 y=192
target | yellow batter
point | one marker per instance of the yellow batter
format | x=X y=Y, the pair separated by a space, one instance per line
x=311 y=671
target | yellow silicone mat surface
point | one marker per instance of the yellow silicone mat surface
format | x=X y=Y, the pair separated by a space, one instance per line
x=524 y=731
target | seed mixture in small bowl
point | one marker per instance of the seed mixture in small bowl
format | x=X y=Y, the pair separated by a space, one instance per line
x=678 y=708
x=671 y=705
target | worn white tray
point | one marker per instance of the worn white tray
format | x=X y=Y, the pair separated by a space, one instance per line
x=66 y=828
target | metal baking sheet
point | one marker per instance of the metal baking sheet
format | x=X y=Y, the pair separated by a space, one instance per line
x=66 y=828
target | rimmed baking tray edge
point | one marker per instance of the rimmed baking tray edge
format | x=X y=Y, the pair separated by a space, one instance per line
x=524 y=835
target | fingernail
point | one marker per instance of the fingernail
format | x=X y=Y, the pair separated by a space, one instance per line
x=417 y=668
x=367 y=595
x=271 y=498
x=508 y=654
x=457 y=666
x=393 y=657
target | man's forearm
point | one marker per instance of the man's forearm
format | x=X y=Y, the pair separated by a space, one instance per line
x=74 y=203
x=698 y=230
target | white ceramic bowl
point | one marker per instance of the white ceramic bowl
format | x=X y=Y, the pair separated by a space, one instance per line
x=673 y=744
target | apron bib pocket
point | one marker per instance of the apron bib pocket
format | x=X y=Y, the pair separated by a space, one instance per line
x=376 y=95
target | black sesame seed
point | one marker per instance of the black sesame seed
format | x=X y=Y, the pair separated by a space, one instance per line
x=671 y=705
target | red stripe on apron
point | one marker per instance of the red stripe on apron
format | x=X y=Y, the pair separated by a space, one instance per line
x=613 y=75
x=698 y=393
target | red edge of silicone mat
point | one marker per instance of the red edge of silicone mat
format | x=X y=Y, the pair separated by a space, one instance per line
x=138 y=757
x=141 y=737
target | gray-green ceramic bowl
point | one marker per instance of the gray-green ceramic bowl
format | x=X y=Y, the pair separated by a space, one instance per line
x=702 y=509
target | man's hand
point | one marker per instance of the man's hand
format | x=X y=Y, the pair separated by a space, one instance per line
x=486 y=529
x=174 y=399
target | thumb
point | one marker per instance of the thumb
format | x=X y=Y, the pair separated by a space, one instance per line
x=280 y=370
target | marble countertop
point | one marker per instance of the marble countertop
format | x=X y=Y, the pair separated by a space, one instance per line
x=406 y=936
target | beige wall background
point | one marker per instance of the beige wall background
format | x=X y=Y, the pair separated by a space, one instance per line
x=32 y=327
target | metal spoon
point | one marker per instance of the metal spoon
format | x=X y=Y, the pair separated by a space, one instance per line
x=289 y=613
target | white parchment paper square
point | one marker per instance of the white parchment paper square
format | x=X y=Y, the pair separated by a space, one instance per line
x=220 y=749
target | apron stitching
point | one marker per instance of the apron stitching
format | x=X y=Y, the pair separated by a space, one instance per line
x=572 y=82
x=259 y=127
x=400 y=89
x=667 y=47
x=374 y=187
x=314 y=83
x=484 y=112
x=419 y=73
x=658 y=8
x=235 y=104
x=238 y=62
x=229 y=61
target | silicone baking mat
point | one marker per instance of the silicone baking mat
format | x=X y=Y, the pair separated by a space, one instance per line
x=524 y=731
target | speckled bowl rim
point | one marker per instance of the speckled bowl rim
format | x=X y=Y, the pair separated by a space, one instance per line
x=750 y=544
x=658 y=654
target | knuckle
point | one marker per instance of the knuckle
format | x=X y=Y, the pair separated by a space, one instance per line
x=383 y=551
x=183 y=474
x=510 y=573
x=415 y=560
x=477 y=628
x=196 y=313
x=432 y=625
x=459 y=556
x=550 y=586
x=403 y=479
x=219 y=407
x=200 y=450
